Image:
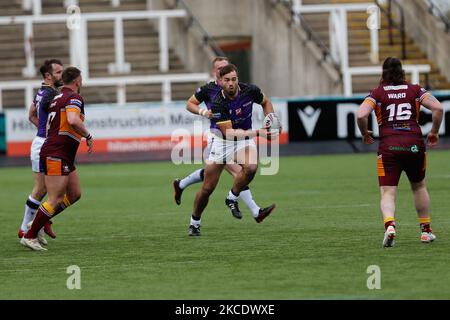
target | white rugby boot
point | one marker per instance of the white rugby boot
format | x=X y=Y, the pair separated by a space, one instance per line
x=389 y=237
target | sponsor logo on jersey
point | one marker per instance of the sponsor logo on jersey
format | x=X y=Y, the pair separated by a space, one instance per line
x=401 y=87
x=401 y=126
x=413 y=149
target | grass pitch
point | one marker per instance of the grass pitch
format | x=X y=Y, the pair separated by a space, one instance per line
x=130 y=239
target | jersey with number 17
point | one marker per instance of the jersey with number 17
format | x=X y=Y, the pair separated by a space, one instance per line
x=397 y=109
x=62 y=140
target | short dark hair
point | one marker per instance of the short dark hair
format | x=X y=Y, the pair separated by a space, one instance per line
x=227 y=69
x=219 y=58
x=70 y=74
x=393 y=72
x=47 y=66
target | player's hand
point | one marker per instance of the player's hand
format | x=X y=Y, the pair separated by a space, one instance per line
x=205 y=113
x=269 y=134
x=432 y=139
x=367 y=138
x=90 y=143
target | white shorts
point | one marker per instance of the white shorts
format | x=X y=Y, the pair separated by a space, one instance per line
x=34 y=153
x=208 y=147
x=225 y=151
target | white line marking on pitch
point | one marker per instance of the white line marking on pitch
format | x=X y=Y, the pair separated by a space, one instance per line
x=338 y=206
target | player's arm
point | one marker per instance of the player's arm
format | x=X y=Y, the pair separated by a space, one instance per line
x=437 y=113
x=193 y=104
x=363 y=121
x=32 y=115
x=226 y=128
x=267 y=106
x=73 y=118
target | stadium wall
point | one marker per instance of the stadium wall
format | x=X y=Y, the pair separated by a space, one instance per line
x=2 y=134
x=283 y=62
x=428 y=32
x=188 y=43
x=235 y=16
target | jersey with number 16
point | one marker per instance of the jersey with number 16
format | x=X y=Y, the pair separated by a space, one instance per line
x=397 y=109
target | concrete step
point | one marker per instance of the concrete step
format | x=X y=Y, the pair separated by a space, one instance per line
x=49 y=7
x=128 y=41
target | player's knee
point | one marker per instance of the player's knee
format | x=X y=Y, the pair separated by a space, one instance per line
x=250 y=170
x=416 y=186
x=38 y=194
x=207 y=190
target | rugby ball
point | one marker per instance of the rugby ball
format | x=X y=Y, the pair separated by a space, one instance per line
x=272 y=121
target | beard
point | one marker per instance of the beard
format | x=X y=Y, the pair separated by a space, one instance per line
x=57 y=83
x=231 y=92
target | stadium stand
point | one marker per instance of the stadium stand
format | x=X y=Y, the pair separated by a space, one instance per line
x=141 y=51
x=390 y=42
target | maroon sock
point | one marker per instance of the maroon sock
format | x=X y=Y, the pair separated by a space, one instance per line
x=425 y=227
x=39 y=221
x=389 y=223
x=59 y=209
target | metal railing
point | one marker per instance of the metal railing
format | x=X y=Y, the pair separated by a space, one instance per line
x=119 y=82
x=414 y=70
x=437 y=12
x=338 y=26
x=78 y=35
x=311 y=35
x=36 y=5
x=339 y=48
x=193 y=21
x=393 y=24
